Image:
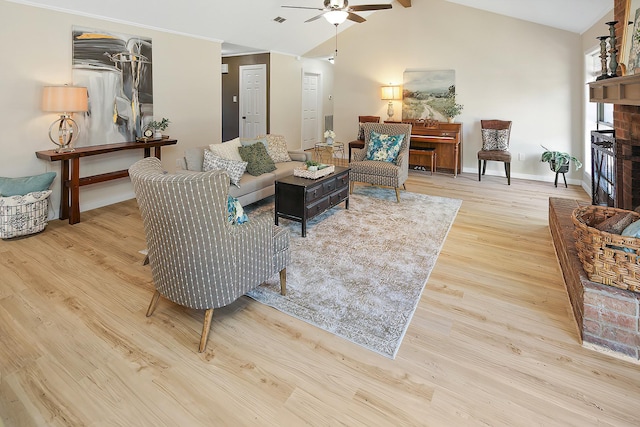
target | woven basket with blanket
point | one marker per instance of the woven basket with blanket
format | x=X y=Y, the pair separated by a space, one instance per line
x=608 y=257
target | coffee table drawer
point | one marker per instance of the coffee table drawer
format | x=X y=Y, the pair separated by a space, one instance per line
x=342 y=180
x=314 y=193
x=318 y=207
x=329 y=186
x=339 y=196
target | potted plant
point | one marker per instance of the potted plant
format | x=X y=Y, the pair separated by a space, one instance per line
x=451 y=108
x=158 y=127
x=559 y=160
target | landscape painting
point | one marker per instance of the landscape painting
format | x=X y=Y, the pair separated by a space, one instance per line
x=117 y=71
x=425 y=93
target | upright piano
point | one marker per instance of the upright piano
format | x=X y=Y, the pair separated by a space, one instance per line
x=446 y=138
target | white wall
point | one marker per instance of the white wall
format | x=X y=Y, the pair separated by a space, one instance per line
x=286 y=94
x=37 y=51
x=505 y=69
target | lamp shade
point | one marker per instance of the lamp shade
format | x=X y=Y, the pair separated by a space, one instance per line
x=65 y=99
x=391 y=93
x=336 y=17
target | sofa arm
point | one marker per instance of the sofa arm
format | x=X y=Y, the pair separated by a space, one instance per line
x=300 y=155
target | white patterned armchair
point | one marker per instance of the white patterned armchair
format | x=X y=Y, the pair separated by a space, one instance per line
x=382 y=173
x=198 y=258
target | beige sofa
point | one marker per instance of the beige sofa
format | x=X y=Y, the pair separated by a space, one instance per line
x=252 y=188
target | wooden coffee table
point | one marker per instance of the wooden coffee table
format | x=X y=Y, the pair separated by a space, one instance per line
x=300 y=199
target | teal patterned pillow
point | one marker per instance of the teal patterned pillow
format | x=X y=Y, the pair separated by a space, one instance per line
x=236 y=214
x=384 y=148
x=257 y=158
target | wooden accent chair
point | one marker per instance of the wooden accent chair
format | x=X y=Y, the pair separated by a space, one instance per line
x=359 y=143
x=376 y=172
x=495 y=146
x=198 y=258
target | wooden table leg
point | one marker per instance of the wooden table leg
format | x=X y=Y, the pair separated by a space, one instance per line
x=64 y=189
x=157 y=152
x=74 y=189
x=455 y=165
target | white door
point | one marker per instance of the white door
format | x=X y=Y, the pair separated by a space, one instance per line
x=253 y=100
x=311 y=108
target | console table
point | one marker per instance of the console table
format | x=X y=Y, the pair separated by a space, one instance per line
x=70 y=170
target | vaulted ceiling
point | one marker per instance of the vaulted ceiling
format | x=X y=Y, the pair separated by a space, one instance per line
x=242 y=23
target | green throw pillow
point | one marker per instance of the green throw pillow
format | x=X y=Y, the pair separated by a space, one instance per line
x=257 y=158
x=245 y=142
x=26 y=184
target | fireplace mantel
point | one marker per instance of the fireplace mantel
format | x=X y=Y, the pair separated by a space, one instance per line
x=623 y=90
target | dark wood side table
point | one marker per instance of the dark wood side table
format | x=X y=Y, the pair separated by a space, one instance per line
x=300 y=199
x=70 y=170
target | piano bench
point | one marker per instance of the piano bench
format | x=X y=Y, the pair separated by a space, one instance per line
x=426 y=151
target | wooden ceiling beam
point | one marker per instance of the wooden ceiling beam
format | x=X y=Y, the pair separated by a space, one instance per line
x=405 y=3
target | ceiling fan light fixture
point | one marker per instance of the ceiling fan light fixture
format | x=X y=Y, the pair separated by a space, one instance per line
x=336 y=17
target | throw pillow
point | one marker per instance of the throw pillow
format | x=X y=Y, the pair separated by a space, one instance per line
x=227 y=150
x=234 y=169
x=277 y=148
x=616 y=223
x=495 y=139
x=257 y=158
x=235 y=212
x=383 y=147
x=244 y=142
x=26 y=184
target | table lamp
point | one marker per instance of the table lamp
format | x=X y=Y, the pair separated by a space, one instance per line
x=64 y=100
x=391 y=93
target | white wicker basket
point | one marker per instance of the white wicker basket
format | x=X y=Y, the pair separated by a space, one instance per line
x=22 y=215
x=304 y=173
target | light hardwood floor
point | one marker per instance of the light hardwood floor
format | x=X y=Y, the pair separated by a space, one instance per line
x=492 y=342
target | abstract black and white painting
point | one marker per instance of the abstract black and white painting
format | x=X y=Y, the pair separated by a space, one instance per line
x=117 y=71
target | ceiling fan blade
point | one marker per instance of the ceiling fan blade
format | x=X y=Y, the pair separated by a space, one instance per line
x=314 y=18
x=366 y=7
x=302 y=7
x=355 y=18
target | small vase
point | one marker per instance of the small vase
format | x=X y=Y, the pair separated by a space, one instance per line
x=329 y=141
x=451 y=119
x=157 y=135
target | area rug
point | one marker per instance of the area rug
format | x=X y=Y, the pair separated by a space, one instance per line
x=359 y=273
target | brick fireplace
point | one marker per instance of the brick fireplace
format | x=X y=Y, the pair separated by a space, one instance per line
x=624 y=93
x=607 y=317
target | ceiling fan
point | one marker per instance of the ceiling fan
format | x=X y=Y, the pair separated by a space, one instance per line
x=337 y=11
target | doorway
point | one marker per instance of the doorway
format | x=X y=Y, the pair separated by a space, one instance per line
x=311 y=109
x=253 y=100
